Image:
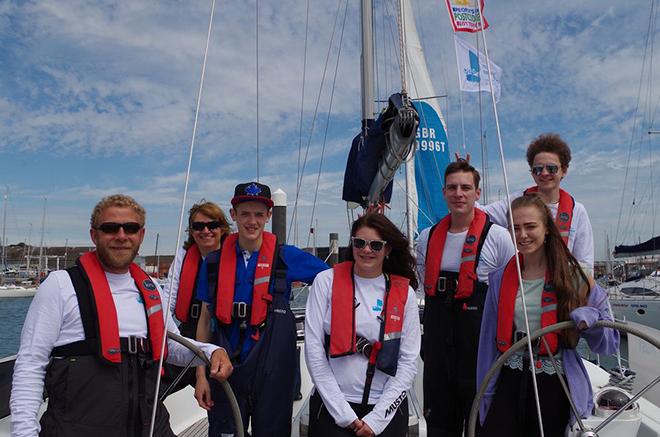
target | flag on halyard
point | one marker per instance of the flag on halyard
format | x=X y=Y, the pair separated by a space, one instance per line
x=473 y=69
x=464 y=15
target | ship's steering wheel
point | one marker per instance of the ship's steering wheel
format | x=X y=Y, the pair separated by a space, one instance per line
x=522 y=343
x=236 y=412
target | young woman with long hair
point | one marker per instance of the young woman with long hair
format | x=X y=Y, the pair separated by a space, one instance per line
x=362 y=335
x=556 y=289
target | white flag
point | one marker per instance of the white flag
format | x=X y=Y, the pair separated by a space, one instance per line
x=471 y=65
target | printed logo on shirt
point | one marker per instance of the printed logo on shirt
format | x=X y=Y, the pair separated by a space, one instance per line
x=564 y=216
x=469 y=308
x=263 y=265
x=378 y=307
x=395 y=405
x=470 y=239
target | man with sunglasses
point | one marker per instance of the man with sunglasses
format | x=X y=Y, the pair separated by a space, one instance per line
x=252 y=319
x=93 y=337
x=454 y=258
x=548 y=157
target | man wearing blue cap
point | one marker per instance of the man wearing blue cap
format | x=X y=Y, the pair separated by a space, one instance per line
x=249 y=316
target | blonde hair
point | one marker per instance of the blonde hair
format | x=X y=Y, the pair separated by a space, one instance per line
x=119 y=200
x=209 y=209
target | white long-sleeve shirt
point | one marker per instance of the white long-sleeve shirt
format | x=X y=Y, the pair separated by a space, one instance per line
x=54 y=320
x=496 y=251
x=172 y=282
x=580 y=235
x=341 y=380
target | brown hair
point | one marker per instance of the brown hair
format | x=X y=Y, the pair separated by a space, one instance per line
x=400 y=261
x=569 y=280
x=209 y=209
x=463 y=166
x=118 y=200
x=551 y=143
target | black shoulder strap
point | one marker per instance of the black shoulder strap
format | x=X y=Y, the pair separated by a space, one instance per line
x=83 y=292
x=482 y=240
x=279 y=272
x=90 y=345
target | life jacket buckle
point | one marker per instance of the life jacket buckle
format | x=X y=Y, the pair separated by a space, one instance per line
x=442 y=284
x=132 y=343
x=240 y=310
x=195 y=310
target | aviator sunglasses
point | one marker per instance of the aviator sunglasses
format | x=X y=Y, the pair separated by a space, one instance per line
x=375 y=245
x=113 y=228
x=199 y=226
x=551 y=168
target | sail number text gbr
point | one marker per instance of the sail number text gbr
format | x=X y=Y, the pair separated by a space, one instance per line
x=427 y=142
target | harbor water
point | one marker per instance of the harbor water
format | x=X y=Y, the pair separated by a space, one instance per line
x=12 y=315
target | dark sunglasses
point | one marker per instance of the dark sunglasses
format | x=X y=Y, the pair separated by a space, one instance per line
x=113 y=228
x=199 y=226
x=551 y=168
x=375 y=245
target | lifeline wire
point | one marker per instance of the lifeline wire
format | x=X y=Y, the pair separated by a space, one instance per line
x=513 y=234
x=316 y=109
x=166 y=309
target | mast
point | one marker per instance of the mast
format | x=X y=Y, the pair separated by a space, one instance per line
x=367 y=64
x=41 y=243
x=4 y=228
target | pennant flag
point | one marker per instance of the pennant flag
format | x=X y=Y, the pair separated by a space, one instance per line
x=471 y=65
x=464 y=15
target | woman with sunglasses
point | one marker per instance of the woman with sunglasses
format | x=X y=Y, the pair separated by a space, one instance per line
x=362 y=335
x=196 y=266
x=548 y=157
x=555 y=289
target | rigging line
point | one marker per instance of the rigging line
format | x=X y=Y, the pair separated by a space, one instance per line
x=513 y=234
x=316 y=109
x=256 y=26
x=166 y=308
x=302 y=107
x=402 y=46
x=327 y=121
x=375 y=39
x=460 y=103
x=632 y=134
x=415 y=204
x=481 y=120
x=398 y=60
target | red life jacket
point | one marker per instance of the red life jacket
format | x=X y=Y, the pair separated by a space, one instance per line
x=506 y=309
x=261 y=298
x=342 y=323
x=467 y=274
x=564 y=216
x=108 y=326
x=187 y=282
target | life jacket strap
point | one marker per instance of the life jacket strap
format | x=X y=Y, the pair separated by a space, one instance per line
x=130 y=345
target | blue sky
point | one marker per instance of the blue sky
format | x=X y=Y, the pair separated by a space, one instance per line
x=99 y=97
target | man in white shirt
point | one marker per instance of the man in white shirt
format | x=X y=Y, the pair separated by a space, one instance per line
x=454 y=258
x=548 y=157
x=93 y=337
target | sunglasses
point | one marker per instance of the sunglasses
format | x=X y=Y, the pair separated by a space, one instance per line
x=199 y=226
x=551 y=168
x=361 y=243
x=129 y=228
